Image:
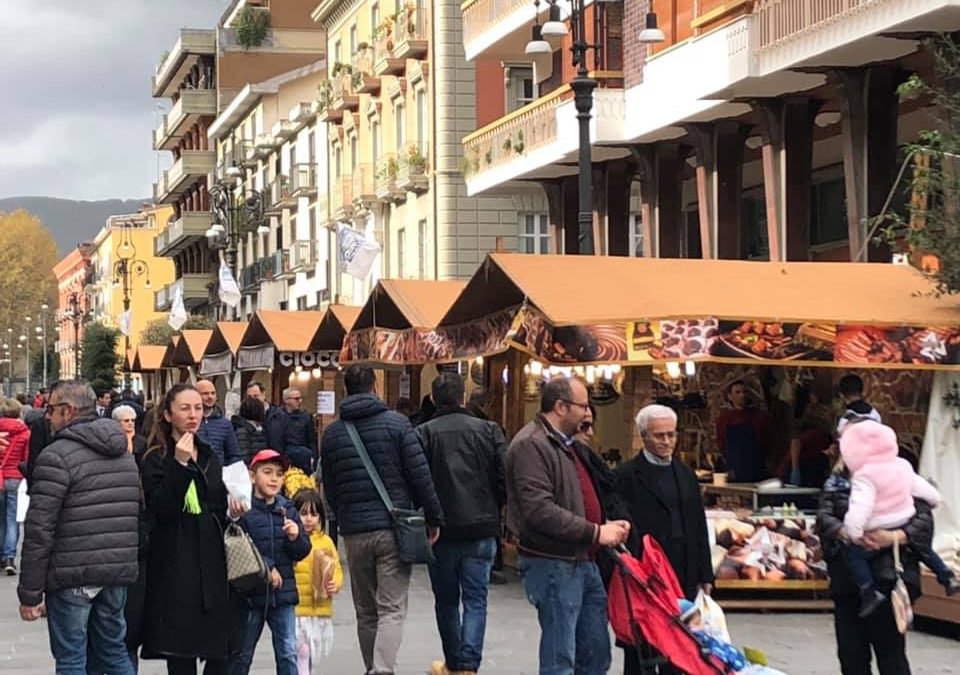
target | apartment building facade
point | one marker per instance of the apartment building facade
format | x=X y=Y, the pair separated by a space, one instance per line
x=760 y=129
x=73 y=273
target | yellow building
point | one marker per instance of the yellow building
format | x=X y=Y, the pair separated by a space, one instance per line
x=126 y=242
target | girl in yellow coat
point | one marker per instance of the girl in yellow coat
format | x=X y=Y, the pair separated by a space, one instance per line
x=319 y=577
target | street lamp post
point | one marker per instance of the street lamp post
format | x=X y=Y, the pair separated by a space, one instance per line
x=42 y=335
x=583 y=87
x=25 y=344
x=125 y=269
x=75 y=315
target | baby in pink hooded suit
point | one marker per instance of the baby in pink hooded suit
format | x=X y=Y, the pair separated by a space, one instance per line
x=883 y=489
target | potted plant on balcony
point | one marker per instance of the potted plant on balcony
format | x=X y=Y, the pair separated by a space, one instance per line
x=384 y=33
x=518 y=145
x=416 y=162
x=252 y=26
x=324 y=95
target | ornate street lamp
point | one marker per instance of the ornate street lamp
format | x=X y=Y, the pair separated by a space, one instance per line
x=583 y=86
x=125 y=269
x=234 y=213
x=75 y=315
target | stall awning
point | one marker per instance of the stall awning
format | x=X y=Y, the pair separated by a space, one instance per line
x=129 y=359
x=218 y=357
x=189 y=350
x=336 y=323
x=597 y=309
x=287 y=331
x=149 y=358
x=397 y=314
x=170 y=349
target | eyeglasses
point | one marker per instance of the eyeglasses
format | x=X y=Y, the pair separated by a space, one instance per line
x=53 y=406
x=584 y=406
x=294 y=398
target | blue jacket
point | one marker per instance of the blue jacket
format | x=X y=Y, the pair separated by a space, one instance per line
x=295 y=436
x=218 y=433
x=264 y=523
x=395 y=450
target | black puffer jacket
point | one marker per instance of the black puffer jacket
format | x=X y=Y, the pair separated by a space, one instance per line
x=834 y=502
x=466 y=457
x=82 y=525
x=395 y=450
x=250 y=439
x=294 y=435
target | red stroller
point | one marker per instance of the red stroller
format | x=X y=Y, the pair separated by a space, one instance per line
x=642 y=605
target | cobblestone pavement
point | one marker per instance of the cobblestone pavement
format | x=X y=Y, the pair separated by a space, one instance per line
x=799 y=644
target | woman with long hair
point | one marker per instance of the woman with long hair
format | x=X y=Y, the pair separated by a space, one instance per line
x=188 y=614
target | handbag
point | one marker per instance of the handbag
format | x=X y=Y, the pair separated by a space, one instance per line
x=409 y=526
x=246 y=570
x=900 y=597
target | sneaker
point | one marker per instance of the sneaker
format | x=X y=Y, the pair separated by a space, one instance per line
x=439 y=668
x=9 y=567
x=869 y=602
x=952 y=586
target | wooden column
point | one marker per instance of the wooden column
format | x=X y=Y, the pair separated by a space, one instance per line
x=619 y=180
x=869 y=108
x=787 y=128
x=719 y=170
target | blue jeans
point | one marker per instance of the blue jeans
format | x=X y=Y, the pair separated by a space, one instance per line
x=571 y=606
x=283 y=630
x=76 y=616
x=461 y=573
x=8 y=519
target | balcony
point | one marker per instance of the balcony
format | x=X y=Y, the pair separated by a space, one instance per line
x=303 y=181
x=303 y=255
x=190 y=227
x=385 y=186
x=280 y=265
x=384 y=62
x=500 y=29
x=412 y=31
x=344 y=96
x=283 y=130
x=412 y=169
x=341 y=201
x=265 y=145
x=364 y=79
x=364 y=186
x=191 y=167
x=325 y=109
x=191 y=45
x=194 y=287
x=281 y=195
x=191 y=105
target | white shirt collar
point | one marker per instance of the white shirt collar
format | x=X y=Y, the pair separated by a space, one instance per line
x=656 y=461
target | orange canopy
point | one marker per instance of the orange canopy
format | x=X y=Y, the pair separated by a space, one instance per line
x=226 y=336
x=148 y=358
x=191 y=346
x=288 y=331
x=399 y=304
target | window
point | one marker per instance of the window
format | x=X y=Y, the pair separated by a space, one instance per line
x=354 y=153
x=534 y=233
x=521 y=89
x=636 y=235
x=422 y=244
x=312 y=148
x=374 y=16
x=755 y=243
x=292 y=153
x=828 y=212
x=400 y=125
x=337 y=56
x=422 y=123
x=376 y=138
x=401 y=251
x=353 y=39
x=301 y=303
x=338 y=160
x=313 y=225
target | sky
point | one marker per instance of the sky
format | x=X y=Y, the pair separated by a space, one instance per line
x=76 y=112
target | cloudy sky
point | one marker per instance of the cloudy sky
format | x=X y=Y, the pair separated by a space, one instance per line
x=76 y=115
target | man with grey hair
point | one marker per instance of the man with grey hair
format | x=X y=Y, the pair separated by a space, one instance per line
x=81 y=535
x=293 y=434
x=663 y=496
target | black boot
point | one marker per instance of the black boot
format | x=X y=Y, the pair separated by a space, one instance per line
x=952 y=585
x=870 y=600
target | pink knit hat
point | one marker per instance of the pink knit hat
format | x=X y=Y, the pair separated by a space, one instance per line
x=868 y=441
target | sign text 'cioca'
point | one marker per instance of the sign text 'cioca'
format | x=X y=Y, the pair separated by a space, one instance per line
x=323 y=359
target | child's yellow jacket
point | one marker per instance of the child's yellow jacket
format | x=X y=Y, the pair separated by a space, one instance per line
x=303 y=571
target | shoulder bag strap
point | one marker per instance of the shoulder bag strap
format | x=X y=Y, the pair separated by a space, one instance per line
x=368 y=464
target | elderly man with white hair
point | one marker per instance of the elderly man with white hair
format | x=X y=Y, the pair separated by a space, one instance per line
x=664 y=501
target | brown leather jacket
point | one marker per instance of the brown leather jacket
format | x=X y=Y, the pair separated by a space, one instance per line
x=544 y=500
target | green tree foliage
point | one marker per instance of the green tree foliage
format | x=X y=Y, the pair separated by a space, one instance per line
x=158 y=332
x=28 y=253
x=53 y=363
x=252 y=26
x=100 y=362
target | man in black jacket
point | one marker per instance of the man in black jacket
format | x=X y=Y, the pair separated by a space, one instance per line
x=466 y=457
x=379 y=581
x=81 y=535
x=292 y=433
x=664 y=501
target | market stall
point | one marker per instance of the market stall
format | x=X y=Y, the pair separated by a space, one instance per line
x=389 y=330
x=639 y=330
x=170 y=374
x=149 y=362
x=218 y=363
x=188 y=353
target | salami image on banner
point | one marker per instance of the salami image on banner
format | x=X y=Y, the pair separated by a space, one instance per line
x=356 y=255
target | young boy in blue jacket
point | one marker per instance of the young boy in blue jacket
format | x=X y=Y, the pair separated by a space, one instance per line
x=274 y=525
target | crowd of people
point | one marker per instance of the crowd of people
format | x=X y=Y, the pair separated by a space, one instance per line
x=124 y=541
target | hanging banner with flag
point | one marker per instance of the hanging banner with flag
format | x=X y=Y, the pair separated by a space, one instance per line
x=356 y=255
x=229 y=290
x=125 y=320
x=178 y=313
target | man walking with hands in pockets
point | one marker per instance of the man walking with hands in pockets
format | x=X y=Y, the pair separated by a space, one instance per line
x=554 y=505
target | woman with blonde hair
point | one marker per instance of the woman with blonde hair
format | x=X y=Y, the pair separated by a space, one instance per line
x=127 y=417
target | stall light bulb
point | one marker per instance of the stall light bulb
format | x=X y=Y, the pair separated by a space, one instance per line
x=690 y=368
x=480 y=361
x=298 y=369
x=616 y=368
x=608 y=373
x=673 y=369
x=568 y=372
x=303 y=375
x=578 y=370
x=505 y=375
x=317 y=373
x=591 y=375
x=526 y=370
x=536 y=368
x=292 y=375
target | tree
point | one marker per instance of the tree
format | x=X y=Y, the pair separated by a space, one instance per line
x=53 y=363
x=158 y=332
x=100 y=361
x=931 y=223
x=28 y=253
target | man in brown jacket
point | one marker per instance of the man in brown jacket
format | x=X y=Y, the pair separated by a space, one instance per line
x=554 y=506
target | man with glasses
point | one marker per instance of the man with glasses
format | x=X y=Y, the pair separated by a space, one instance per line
x=293 y=434
x=556 y=506
x=81 y=536
x=663 y=496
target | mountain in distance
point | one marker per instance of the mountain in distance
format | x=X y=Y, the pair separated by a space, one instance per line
x=71 y=221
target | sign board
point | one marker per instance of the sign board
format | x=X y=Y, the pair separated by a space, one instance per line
x=217 y=364
x=321 y=359
x=405 y=385
x=256 y=358
x=326 y=403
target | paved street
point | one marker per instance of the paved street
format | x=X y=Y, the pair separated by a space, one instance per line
x=800 y=644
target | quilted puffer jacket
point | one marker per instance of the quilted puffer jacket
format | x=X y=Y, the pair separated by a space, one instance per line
x=264 y=523
x=394 y=449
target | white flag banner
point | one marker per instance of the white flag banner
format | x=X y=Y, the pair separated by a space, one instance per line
x=356 y=255
x=229 y=290
x=178 y=313
x=125 y=320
